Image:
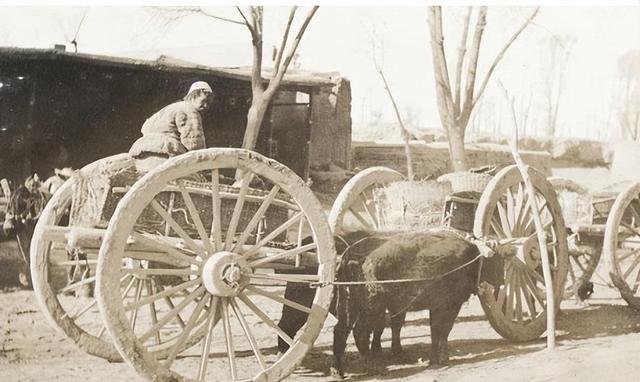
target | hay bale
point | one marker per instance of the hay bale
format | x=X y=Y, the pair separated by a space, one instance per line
x=412 y=205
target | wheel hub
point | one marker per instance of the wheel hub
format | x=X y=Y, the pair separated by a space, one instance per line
x=224 y=274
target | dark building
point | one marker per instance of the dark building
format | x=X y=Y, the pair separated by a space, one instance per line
x=67 y=109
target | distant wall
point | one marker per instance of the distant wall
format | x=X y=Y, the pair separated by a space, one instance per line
x=432 y=159
x=331 y=126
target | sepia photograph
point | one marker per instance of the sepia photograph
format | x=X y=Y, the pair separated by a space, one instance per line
x=329 y=190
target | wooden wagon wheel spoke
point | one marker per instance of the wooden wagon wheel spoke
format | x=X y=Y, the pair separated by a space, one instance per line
x=509 y=301
x=263 y=316
x=282 y=255
x=580 y=265
x=172 y=314
x=634 y=212
x=504 y=221
x=191 y=323
x=101 y=332
x=247 y=332
x=176 y=227
x=632 y=266
x=533 y=289
x=273 y=234
x=171 y=306
x=529 y=226
x=216 y=222
x=518 y=291
x=206 y=344
x=519 y=205
x=195 y=215
x=627 y=255
x=161 y=271
x=282 y=300
x=74 y=263
x=231 y=352
x=169 y=254
x=526 y=209
x=497 y=230
x=151 y=298
x=257 y=216
x=152 y=310
x=365 y=205
x=76 y=285
x=237 y=209
x=360 y=218
x=134 y=315
x=527 y=298
x=571 y=271
x=511 y=210
x=94 y=301
x=631 y=228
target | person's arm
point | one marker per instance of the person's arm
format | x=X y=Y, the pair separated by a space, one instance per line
x=191 y=131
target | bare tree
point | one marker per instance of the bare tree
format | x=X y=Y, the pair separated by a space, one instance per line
x=456 y=104
x=262 y=90
x=629 y=94
x=553 y=73
x=406 y=135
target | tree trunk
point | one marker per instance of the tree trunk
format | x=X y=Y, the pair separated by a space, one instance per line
x=255 y=116
x=456 y=147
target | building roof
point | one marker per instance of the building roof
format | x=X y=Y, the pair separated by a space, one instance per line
x=165 y=63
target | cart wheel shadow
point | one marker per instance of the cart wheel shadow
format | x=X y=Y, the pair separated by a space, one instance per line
x=598 y=320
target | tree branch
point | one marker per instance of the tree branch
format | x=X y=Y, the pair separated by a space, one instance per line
x=406 y=135
x=285 y=37
x=443 y=88
x=462 y=49
x=246 y=22
x=472 y=65
x=278 y=77
x=186 y=11
x=256 y=70
x=501 y=54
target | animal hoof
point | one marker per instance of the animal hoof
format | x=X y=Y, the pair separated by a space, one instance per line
x=397 y=350
x=336 y=374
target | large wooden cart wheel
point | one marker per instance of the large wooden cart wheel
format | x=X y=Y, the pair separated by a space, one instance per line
x=355 y=206
x=68 y=307
x=226 y=251
x=516 y=307
x=585 y=249
x=621 y=245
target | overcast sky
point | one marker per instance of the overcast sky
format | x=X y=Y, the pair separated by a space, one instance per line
x=339 y=39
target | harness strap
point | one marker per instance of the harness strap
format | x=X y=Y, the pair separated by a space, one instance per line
x=322 y=284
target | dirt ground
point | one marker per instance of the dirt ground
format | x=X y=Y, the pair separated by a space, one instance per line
x=599 y=342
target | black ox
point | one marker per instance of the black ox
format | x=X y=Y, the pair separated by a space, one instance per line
x=447 y=271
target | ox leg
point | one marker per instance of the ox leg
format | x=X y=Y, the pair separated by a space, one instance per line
x=292 y=319
x=397 y=320
x=442 y=320
x=378 y=328
x=340 y=334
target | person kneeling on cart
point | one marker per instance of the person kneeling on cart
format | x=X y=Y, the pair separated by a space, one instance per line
x=174 y=129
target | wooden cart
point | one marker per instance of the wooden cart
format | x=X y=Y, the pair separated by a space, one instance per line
x=502 y=213
x=186 y=255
